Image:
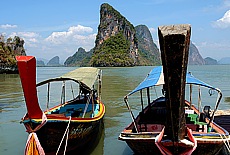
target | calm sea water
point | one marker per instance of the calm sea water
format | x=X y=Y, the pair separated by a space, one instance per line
x=117 y=82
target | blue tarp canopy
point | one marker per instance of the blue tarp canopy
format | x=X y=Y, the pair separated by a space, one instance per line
x=156 y=78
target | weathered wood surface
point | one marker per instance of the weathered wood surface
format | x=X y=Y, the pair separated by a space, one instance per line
x=174 y=44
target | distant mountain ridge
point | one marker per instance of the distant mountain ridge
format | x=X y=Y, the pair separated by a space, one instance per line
x=210 y=61
x=224 y=61
x=53 y=62
x=40 y=63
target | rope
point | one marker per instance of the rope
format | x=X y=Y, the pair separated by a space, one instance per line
x=66 y=132
x=67 y=136
x=33 y=138
x=226 y=143
x=30 y=130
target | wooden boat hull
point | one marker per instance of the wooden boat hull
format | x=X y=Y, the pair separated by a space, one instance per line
x=143 y=141
x=81 y=138
x=75 y=123
x=145 y=147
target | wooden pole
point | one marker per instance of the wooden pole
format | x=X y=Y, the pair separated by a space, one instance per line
x=174 y=44
x=148 y=96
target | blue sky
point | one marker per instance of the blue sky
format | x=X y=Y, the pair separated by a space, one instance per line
x=58 y=28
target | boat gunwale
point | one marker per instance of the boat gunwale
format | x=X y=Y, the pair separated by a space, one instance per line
x=66 y=119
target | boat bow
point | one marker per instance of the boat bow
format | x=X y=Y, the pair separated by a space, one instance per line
x=27 y=72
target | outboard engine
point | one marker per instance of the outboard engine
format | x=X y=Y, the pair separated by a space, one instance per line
x=207 y=111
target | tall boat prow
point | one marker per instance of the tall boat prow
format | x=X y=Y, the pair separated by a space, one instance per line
x=27 y=69
x=172 y=124
x=72 y=125
x=174 y=44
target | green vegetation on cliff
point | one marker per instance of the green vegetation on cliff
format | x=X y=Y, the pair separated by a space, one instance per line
x=112 y=52
x=8 y=51
x=115 y=44
x=80 y=58
x=7 y=56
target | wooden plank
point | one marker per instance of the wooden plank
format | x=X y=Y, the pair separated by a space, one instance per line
x=174 y=44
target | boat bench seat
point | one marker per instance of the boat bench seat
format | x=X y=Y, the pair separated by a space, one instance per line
x=193 y=127
x=55 y=115
x=77 y=110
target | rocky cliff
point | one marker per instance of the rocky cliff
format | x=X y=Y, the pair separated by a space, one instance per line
x=40 y=63
x=80 y=58
x=148 y=52
x=8 y=51
x=116 y=42
x=210 y=61
x=194 y=57
x=55 y=61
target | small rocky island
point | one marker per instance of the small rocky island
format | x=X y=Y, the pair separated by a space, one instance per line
x=8 y=50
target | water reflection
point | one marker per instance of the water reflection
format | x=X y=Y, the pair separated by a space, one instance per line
x=116 y=83
x=227 y=99
x=10 y=92
x=12 y=108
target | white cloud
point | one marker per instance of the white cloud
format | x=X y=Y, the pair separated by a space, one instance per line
x=216 y=50
x=8 y=26
x=80 y=29
x=31 y=38
x=28 y=34
x=66 y=43
x=223 y=22
x=74 y=33
x=62 y=44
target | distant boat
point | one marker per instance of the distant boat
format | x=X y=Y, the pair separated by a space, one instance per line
x=170 y=124
x=72 y=125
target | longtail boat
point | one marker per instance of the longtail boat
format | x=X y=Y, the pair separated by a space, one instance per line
x=172 y=124
x=72 y=124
